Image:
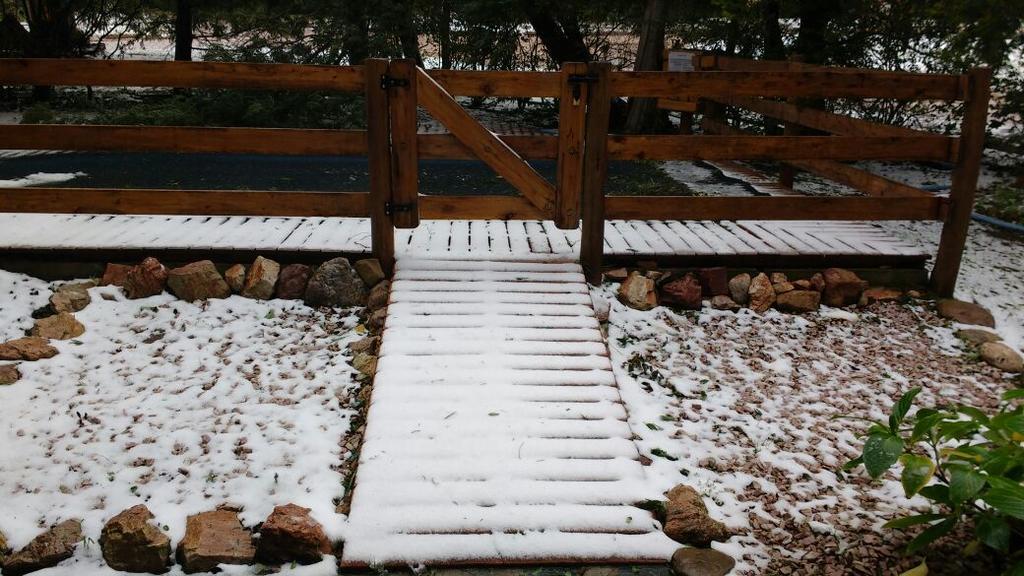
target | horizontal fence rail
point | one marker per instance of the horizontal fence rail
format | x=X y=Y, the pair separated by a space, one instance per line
x=810 y=139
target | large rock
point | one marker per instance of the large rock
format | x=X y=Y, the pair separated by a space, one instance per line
x=9 y=374
x=842 y=287
x=46 y=550
x=965 y=313
x=290 y=534
x=115 y=275
x=130 y=543
x=1001 y=356
x=616 y=275
x=71 y=297
x=739 y=288
x=798 y=301
x=370 y=271
x=682 y=292
x=637 y=291
x=880 y=294
x=368 y=344
x=145 y=280
x=722 y=302
x=292 y=281
x=30 y=348
x=336 y=283
x=977 y=336
x=4 y=549
x=379 y=296
x=261 y=279
x=365 y=363
x=61 y=326
x=375 y=323
x=235 y=277
x=197 y=281
x=760 y=295
x=687 y=520
x=213 y=538
x=701 y=562
x=714 y=281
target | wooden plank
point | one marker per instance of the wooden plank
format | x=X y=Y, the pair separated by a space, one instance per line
x=488 y=147
x=478 y=208
x=82 y=72
x=782 y=84
x=965 y=183
x=382 y=229
x=817 y=119
x=771 y=208
x=190 y=202
x=446 y=146
x=498 y=83
x=572 y=117
x=684 y=147
x=595 y=169
x=285 y=141
x=404 y=155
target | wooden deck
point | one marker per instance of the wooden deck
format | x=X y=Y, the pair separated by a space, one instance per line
x=740 y=243
x=495 y=432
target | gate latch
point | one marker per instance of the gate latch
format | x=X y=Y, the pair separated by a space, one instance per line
x=576 y=80
x=392 y=82
x=391 y=209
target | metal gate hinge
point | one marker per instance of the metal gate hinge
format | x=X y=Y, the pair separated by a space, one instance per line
x=391 y=209
x=576 y=80
x=392 y=82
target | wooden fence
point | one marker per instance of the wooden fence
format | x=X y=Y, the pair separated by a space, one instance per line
x=395 y=88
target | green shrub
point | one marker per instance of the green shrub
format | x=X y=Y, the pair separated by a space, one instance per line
x=1002 y=201
x=38 y=114
x=969 y=464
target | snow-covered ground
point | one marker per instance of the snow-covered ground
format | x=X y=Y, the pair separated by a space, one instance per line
x=180 y=406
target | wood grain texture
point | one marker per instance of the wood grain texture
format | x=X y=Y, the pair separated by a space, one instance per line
x=965 y=183
x=183 y=202
x=404 y=154
x=488 y=147
x=771 y=208
x=82 y=72
x=478 y=208
x=285 y=141
x=498 y=83
x=572 y=118
x=448 y=147
x=382 y=229
x=818 y=119
x=595 y=172
x=682 y=147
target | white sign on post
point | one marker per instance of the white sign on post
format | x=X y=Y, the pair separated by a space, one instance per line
x=681 y=61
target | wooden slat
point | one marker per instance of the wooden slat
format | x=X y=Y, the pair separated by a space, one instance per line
x=595 y=171
x=488 y=147
x=498 y=83
x=965 y=183
x=288 y=141
x=382 y=229
x=683 y=147
x=448 y=147
x=572 y=118
x=799 y=84
x=478 y=207
x=82 y=72
x=205 y=202
x=404 y=160
x=817 y=119
x=771 y=208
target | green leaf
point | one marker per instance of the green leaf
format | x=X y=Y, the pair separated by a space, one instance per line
x=924 y=421
x=917 y=471
x=1013 y=394
x=908 y=521
x=974 y=413
x=993 y=531
x=932 y=534
x=1008 y=421
x=1007 y=501
x=881 y=451
x=959 y=429
x=853 y=463
x=900 y=409
x=936 y=493
x=919 y=570
x=1016 y=570
x=964 y=482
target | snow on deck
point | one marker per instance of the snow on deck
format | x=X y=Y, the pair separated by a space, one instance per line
x=450 y=238
x=496 y=432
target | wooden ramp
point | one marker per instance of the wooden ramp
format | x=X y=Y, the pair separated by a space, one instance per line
x=495 y=433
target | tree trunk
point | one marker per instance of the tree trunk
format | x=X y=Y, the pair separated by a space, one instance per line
x=183 y=33
x=444 y=33
x=774 y=49
x=407 y=34
x=812 y=42
x=559 y=32
x=355 y=37
x=643 y=113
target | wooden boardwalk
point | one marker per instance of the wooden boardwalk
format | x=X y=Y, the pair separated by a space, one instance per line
x=495 y=432
x=751 y=243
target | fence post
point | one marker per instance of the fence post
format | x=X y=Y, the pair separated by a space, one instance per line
x=572 y=118
x=787 y=173
x=595 y=168
x=404 y=161
x=378 y=151
x=964 y=183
